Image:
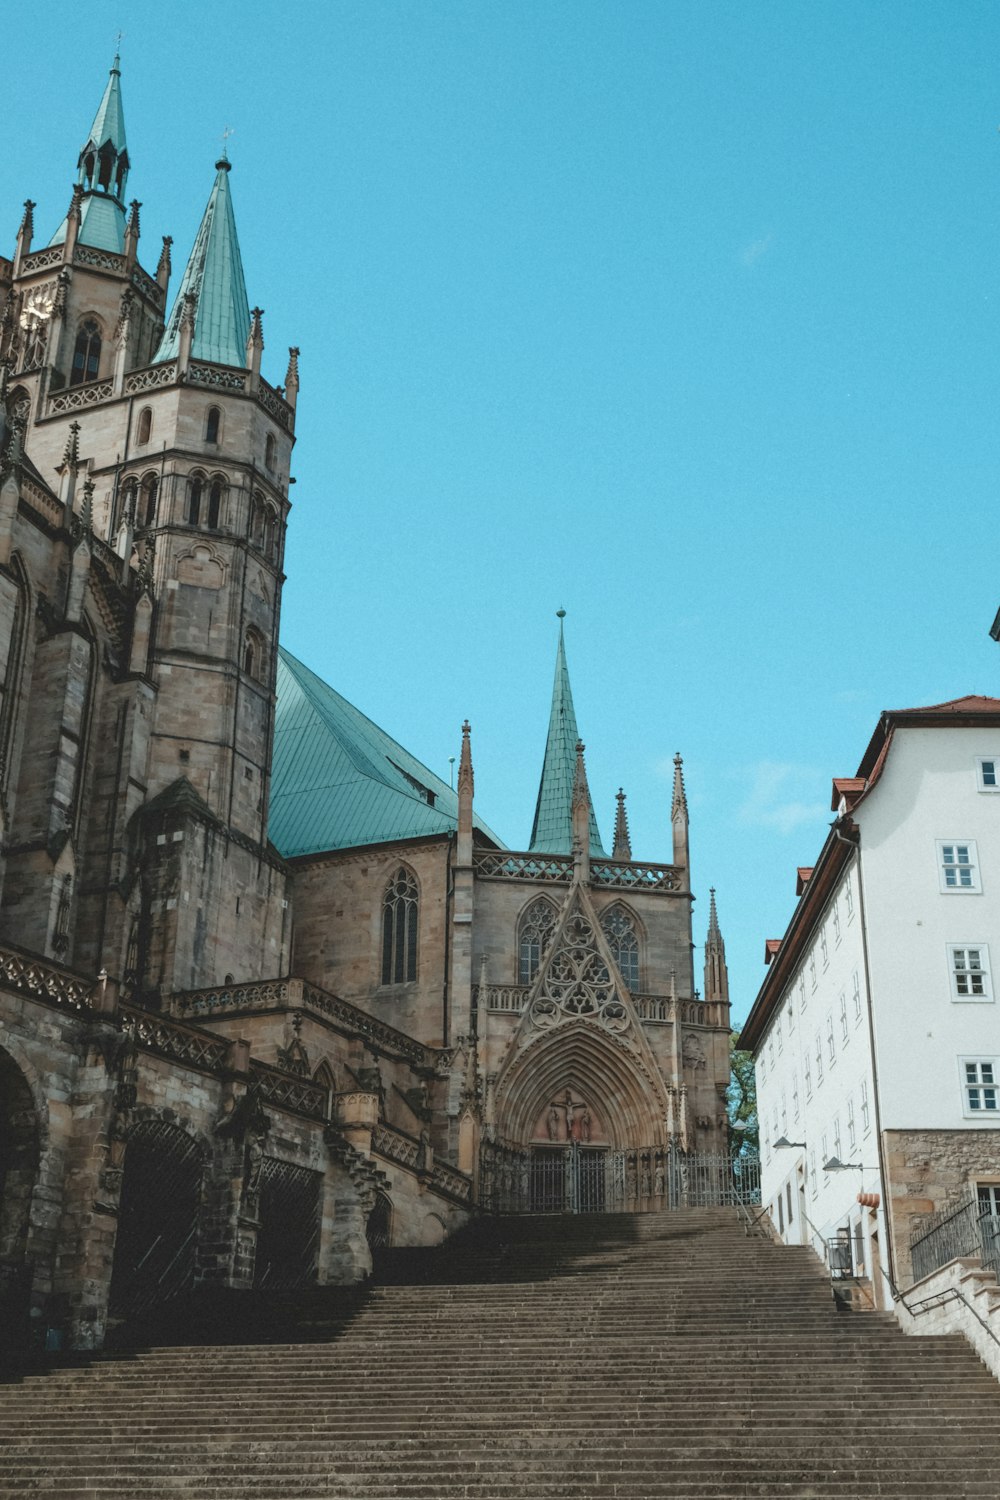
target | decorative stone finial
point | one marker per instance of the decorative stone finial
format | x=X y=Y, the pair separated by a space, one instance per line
x=623 y=843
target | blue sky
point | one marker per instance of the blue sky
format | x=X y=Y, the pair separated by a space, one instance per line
x=682 y=316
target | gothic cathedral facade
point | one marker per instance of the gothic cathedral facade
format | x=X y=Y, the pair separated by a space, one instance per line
x=252 y=1028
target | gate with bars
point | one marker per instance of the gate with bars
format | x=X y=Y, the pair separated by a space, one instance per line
x=288 y=1237
x=590 y=1179
x=157 y=1217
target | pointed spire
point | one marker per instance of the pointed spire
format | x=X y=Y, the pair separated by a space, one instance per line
x=255 y=342
x=716 y=973
x=623 y=843
x=102 y=174
x=466 y=787
x=581 y=813
x=292 y=377
x=552 y=830
x=679 y=815
x=163 y=266
x=214 y=277
x=24 y=234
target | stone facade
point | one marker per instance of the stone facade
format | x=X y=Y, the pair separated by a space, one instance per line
x=178 y=1111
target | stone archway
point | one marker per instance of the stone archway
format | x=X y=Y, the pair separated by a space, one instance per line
x=20 y=1151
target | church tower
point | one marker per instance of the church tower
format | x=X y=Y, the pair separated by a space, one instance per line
x=152 y=455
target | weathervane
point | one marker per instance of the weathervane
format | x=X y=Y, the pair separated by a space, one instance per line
x=226 y=133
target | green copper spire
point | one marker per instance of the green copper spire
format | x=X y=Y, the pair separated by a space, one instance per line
x=552 y=830
x=102 y=173
x=214 y=278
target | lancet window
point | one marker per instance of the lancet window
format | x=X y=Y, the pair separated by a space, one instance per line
x=86 y=353
x=215 y=494
x=150 y=486
x=253 y=654
x=400 y=907
x=535 y=929
x=196 y=486
x=145 y=425
x=619 y=929
x=212 y=422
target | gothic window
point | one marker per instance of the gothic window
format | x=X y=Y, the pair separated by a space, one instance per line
x=196 y=485
x=11 y=686
x=257 y=520
x=270 y=531
x=148 y=509
x=86 y=353
x=145 y=425
x=215 y=503
x=399 y=929
x=253 y=655
x=619 y=929
x=269 y=452
x=534 y=935
x=130 y=975
x=212 y=423
x=130 y=493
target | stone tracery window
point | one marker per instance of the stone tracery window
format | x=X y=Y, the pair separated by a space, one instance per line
x=195 y=486
x=215 y=495
x=400 y=906
x=619 y=929
x=86 y=353
x=149 y=488
x=535 y=929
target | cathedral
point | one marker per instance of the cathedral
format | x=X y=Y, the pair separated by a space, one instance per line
x=272 y=994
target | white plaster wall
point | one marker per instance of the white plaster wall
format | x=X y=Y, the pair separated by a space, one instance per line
x=929 y=791
x=940 y=1311
x=829 y=1116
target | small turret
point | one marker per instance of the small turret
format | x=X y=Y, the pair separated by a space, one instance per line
x=581 y=812
x=292 y=378
x=102 y=176
x=679 y=815
x=466 y=788
x=255 y=345
x=163 y=266
x=132 y=233
x=24 y=235
x=623 y=843
x=716 y=973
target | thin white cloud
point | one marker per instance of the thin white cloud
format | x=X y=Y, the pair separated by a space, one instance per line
x=778 y=797
x=752 y=253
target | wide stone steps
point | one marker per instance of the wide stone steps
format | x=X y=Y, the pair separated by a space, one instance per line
x=665 y=1357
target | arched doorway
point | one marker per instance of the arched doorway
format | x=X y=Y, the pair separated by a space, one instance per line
x=157 y=1217
x=19 y=1156
x=288 y=1237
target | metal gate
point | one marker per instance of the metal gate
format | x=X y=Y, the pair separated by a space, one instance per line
x=288 y=1237
x=581 y=1179
x=157 y=1217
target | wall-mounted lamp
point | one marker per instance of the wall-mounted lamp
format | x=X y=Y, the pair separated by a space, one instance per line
x=836 y=1165
x=782 y=1143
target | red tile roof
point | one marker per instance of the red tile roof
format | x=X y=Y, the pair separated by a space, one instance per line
x=771 y=946
x=802 y=875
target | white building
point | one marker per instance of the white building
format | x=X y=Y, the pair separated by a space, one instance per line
x=875 y=1032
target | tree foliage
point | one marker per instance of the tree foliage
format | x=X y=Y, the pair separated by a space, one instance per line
x=741 y=1099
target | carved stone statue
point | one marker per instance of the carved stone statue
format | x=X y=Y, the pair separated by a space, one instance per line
x=555 y=1123
x=585 y=1124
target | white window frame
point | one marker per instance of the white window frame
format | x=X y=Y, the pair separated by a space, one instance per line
x=993 y=762
x=819 y=1060
x=859 y=1010
x=956 y=973
x=866 y=1118
x=849 y=898
x=836 y=924
x=831 y=1041
x=845 y=1031
x=824 y=948
x=812 y=971
x=795 y=1096
x=947 y=850
x=987 y=1088
x=852 y=1129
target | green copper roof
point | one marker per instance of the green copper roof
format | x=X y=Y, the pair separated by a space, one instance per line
x=214 y=276
x=109 y=122
x=339 y=781
x=552 y=830
x=102 y=172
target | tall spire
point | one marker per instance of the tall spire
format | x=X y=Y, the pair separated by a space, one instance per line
x=716 y=973
x=552 y=830
x=214 y=278
x=679 y=815
x=623 y=843
x=102 y=174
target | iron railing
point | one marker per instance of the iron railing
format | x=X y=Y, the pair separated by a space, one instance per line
x=594 y=1179
x=966 y=1230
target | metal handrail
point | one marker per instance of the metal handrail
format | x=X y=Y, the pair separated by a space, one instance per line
x=937 y=1299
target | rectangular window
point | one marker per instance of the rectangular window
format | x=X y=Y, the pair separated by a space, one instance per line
x=761 y=1067
x=989 y=774
x=788 y=1202
x=781 y=1214
x=780 y=1036
x=980 y=1085
x=844 y=1032
x=770 y=1053
x=837 y=1147
x=970 y=972
x=812 y=1173
x=988 y=1198
x=856 y=997
x=802 y=993
x=824 y=1156
x=849 y=898
x=812 y=971
x=807 y=1076
x=824 y=951
x=795 y=1096
x=831 y=1046
x=784 y=1113
x=836 y=923
x=866 y=1124
x=852 y=1132
x=959 y=866
x=819 y=1059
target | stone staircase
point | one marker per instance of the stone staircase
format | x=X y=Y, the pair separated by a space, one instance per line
x=555 y=1358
